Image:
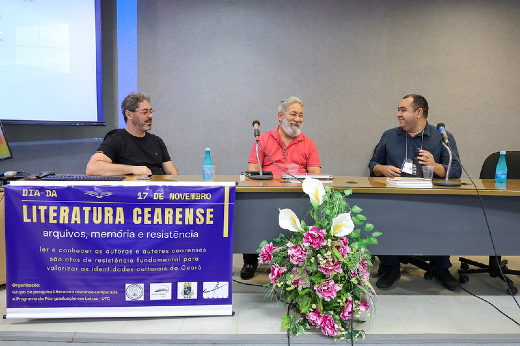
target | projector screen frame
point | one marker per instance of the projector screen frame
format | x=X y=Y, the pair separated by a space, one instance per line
x=99 y=86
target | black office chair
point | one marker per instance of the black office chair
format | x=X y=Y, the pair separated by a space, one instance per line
x=492 y=268
x=110 y=133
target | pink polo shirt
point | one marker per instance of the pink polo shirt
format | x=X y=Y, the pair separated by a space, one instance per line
x=301 y=151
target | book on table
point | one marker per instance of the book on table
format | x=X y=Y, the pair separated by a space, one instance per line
x=409 y=182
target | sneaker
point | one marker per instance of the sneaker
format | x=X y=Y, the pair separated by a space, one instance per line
x=248 y=271
x=388 y=278
x=447 y=280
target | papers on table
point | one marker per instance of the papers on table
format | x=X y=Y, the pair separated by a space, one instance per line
x=405 y=182
x=302 y=176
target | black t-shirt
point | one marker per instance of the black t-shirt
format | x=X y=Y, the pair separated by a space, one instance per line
x=123 y=148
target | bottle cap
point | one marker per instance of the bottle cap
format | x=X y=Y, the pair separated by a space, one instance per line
x=501 y=152
x=207 y=149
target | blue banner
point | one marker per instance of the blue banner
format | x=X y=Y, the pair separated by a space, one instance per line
x=120 y=249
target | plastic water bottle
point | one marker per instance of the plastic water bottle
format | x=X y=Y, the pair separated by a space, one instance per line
x=207 y=167
x=501 y=172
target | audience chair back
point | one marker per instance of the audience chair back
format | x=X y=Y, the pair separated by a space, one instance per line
x=496 y=267
x=110 y=133
x=490 y=164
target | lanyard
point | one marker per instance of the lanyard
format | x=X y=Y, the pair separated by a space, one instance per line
x=406 y=139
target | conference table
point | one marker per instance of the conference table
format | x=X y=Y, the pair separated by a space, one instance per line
x=414 y=221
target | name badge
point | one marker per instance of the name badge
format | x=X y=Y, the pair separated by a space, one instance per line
x=407 y=166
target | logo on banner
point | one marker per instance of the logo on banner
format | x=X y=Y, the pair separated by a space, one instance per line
x=134 y=292
x=213 y=290
x=98 y=195
x=161 y=291
x=186 y=290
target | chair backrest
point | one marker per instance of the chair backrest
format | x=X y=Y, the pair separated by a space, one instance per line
x=490 y=164
x=373 y=153
x=110 y=133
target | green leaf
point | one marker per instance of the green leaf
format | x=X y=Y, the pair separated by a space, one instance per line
x=372 y=240
x=286 y=321
x=355 y=245
x=369 y=227
x=356 y=220
x=376 y=234
x=355 y=209
x=313 y=266
x=336 y=253
x=347 y=192
x=263 y=243
x=361 y=217
x=355 y=233
x=304 y=304
x=293 y=295
x=319 y=276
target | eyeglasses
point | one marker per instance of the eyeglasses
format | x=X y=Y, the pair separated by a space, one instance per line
x=145 y=111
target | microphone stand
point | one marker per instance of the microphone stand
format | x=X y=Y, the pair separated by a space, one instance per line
x=446 y=182
x=260 y=176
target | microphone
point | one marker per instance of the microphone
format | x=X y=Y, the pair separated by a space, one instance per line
x=261 y=175
x=256 y=126
x=442 y=129
x=446 y=144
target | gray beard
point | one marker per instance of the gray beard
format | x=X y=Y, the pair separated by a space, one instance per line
x=143 y=127
x=286 y=126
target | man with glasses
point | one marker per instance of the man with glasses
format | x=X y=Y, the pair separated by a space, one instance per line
x=285 y=145
x=133 y=150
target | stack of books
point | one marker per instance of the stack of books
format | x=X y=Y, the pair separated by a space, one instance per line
x=403 y=182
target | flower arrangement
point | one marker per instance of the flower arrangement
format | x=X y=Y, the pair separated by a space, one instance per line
x=322 y=271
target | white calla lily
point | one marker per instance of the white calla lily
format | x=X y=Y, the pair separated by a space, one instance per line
x=289 y=221
x=342 y=225
x=314 y=188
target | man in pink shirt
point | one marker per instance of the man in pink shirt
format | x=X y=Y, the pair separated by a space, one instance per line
x=286 y=145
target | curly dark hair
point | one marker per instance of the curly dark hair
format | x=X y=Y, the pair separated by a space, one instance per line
x=132 y=101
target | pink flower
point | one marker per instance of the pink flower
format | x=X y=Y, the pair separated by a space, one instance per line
x=343 y=240
x=276 y=272
x=327 y=290
x=267 y=253
x=346 y=310
x=360 y=270
x=363 y=306
x=363 y=263
x=363 y=271
x=315 y=237
x=300 y=280
x=314 y=318
x=328 y=326
x=345 y=249
x=328 y=266
x=297 y=254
